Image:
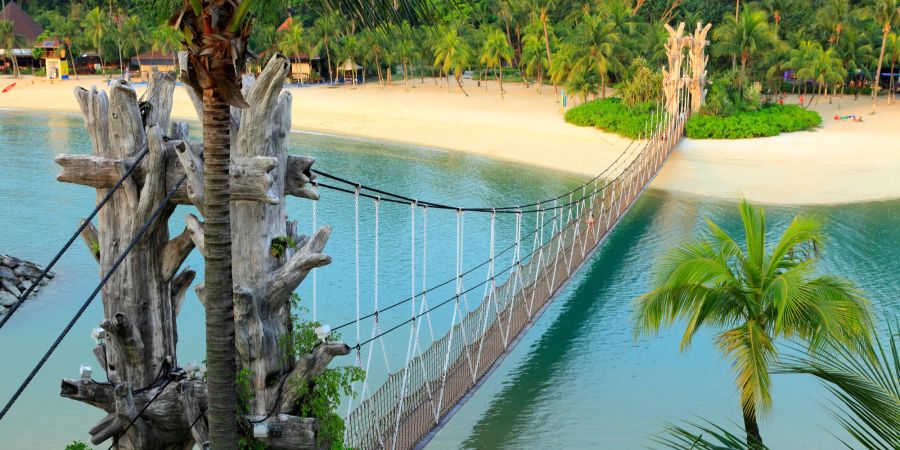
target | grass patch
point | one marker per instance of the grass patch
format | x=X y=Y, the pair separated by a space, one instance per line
x=613 y=116
x=770 y=120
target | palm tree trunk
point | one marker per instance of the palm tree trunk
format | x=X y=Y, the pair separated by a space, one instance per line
x=540 y=78
x=458 y=77
x=875 y=83
x=378 y=69
x=754 y=439
x=15 y=63
x=328 y=57
x=549 y=57
x=891 y=85
x=405 y=76
x=501 y=83
x=218 y=296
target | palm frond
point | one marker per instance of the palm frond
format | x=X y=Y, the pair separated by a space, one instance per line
x=868 y=388
x=705 y=436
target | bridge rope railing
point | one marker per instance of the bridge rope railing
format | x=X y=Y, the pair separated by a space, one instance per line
x=417 y=398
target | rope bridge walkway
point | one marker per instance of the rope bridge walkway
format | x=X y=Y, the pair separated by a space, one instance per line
x=419 y=397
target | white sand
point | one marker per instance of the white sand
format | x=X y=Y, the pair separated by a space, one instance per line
x=841 y=163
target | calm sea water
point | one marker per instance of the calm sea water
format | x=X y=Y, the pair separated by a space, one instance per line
x=579 y=379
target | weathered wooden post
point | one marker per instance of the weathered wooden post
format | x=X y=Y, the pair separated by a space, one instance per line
x=698 y=60
x=143 y=297
x=672 y=76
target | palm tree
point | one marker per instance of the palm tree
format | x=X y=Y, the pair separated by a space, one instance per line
x=534 y=60
x=9 y=40
x=887 y=13
x=404 y=48
x=135 y=35
x=215 y=76
x=893 y=42
x=869 y=388
x=327 y=29
x=452 y=53
x=832 y=18
x=755 y=295
x=776 y=9
x=373 y=40
x=599 y=41
x=495 y=51
x=96 y=27
x=856 y=52
x=746 y=37
x=540 y=11
x=165 y=39
x=292 y=40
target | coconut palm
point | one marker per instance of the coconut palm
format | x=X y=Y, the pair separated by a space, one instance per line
x=215 y=76
x=292 y=41
x=832 y=18
x=893 y=53
x=9 y=40
x=754 y=295
x=96 y=27
x=134 y=35
x=540 y=12
x=452 y=53
x=495 y=51
x=534 y=60
x=404 y=48
x=887 y=14
x=856 y=52
x=327 y=29
x=599 y=41
x=165 y=39
x=746 y=37
x=776 y=9
x=373 y=39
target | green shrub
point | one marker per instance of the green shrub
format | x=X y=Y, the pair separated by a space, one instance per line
x=769 y=120
x=612 y=115
x=77 y=445
x=642 y=85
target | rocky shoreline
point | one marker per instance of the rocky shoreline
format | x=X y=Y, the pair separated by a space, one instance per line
x=16 y=276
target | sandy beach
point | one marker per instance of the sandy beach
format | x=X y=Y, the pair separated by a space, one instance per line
x=842 y=162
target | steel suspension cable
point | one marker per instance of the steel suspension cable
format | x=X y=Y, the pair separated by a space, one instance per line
x=143 y=230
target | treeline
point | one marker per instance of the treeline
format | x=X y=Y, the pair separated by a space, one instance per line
x=583 y=46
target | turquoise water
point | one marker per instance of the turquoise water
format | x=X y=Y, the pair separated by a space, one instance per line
x=577 y=380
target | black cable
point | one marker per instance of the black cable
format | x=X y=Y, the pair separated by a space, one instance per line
x=444 y=283
x=135 y=418
x=90 y=299
x=68 y=244
x=470 y=209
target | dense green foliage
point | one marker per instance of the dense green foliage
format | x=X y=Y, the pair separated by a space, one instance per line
x=320 y=397
x=77 y=445
x=769 y=120
x=642 y=85
x=612 y=115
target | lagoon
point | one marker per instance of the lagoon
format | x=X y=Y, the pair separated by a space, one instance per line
x=578 y=379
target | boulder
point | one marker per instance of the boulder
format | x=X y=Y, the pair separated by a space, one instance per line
x=7 y=299
x=6 y=273
x=10 y=287
x=9 y=261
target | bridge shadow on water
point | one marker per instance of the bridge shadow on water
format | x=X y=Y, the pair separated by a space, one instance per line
x=513 y=407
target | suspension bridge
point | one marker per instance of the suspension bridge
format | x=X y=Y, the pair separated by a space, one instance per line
x=552 y=239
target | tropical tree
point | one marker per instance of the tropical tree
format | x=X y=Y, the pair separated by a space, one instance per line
x=452 y=53
x=754 y=294
x=495 y=51
x=215 y=76
x=167 y=40
x=746 y=37
x=96 y=27
x=134 y=34
x=373 y=39
x=534 y=60
x=9 y=41
x=327 y=29
x=404 y=48
x=292 y=40
x=598 y=40
x=832 y=18
x=856 y=52
x=887 y=14
x=893 y=53
x=776 y=9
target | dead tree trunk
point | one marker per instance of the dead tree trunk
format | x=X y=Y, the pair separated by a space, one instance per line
x=672 y=80
x=698 y=61
x=143 y=297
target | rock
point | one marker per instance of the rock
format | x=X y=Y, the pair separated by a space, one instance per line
x=11 y=288
x=10 y=261
x=7 y=299
x=26 y=271
x=3 y=310
x=25 y=285
x=6 y=273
